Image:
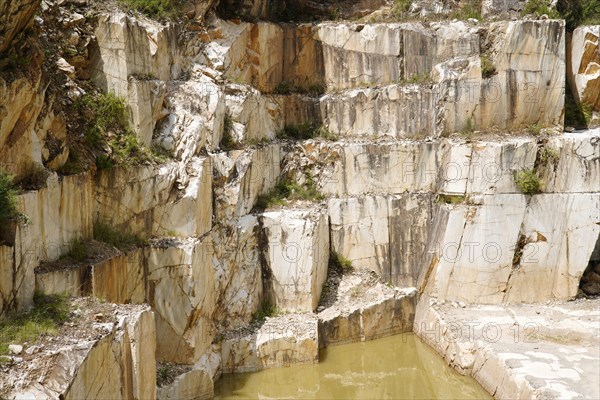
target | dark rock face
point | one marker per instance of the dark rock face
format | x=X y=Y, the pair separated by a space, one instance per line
x=15 y=16
x=296 y=10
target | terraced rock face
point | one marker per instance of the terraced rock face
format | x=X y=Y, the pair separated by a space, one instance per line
x=430 y=156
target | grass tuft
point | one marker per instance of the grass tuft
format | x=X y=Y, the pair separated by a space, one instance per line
x=305 y=131
x=287 y=191
x=488 y=69
x=339 y=263
x=121 y=240
x=155 y=9
x=46 y=318
x=266 y=310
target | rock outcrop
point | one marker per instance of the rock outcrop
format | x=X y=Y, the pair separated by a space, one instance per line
x=584 y=65
x=280 y=342
x=364 y=309
x=80 y=362
x=296 y=255
x=414 y=134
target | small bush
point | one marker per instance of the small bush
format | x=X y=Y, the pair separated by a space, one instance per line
x=286 y=191
x=227 y=141
x=534 y=130
x=541 y=7
x=266 y=310
x=305 y=131
x=157 y=9
x=579 y=12
x=549 y=156
x=286 y=88
x=35 y=177
x=78 y=251
x=488 y=69
x=469 y=9
x=104 y=113
x=46 y=317
x=340 y=263
x=528 y=182
x=106 y=123
x=8 y=198
x=283 y=88
x=73 y=165
x=400 y=9
x=121 y=240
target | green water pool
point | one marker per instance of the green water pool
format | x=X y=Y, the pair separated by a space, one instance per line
x=397 y=367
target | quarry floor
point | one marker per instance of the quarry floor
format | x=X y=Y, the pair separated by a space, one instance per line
x=549 y=350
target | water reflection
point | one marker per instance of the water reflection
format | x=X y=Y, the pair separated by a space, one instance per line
x=397 y=367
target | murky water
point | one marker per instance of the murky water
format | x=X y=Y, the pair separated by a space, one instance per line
x=397 y=367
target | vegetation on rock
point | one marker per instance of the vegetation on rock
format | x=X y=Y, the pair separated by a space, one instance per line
x=267 y=309
x=8 y=198
x=577 y=114
x=488 y=69
x=107 y=131
x=528 y=182
x=121 y=240
x=289 y=88
x=46 y=317
x=286 y=191
x=469 y=9
x=541 y=7
x=339 y=263
x=579 y=12
x=305 y=131
x=156 y=9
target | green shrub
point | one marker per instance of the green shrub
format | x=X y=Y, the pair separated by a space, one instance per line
x=286 y=191
x=73 y=166
x=579 y=12
x=106 y=123
x=8 y=198
x=286 y=88
x=227 y=141
x=119 y=239
x=549 y=156
x=488 y=69
x=534 y=129
x=157 y=9
x=400 y=9
x=340 y=263
x=468 y=9
x=541 y=7
x=104 y=113
x=305 y=131
x=78 y=250
x=528 y=182
x=266 y=310
x=46 y=317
